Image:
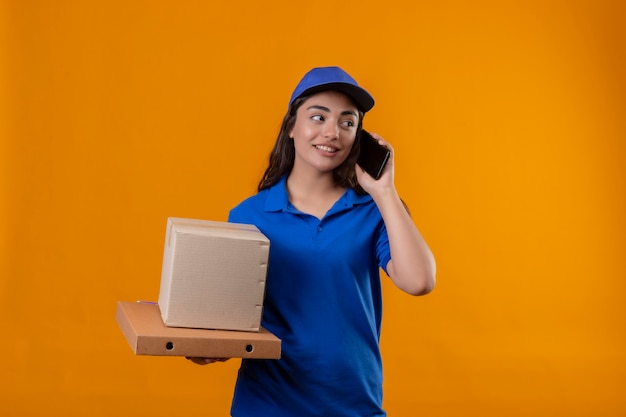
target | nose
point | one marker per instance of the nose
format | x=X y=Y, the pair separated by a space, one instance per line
x=331 y=131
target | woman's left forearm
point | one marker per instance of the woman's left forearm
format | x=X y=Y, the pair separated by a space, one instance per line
x=412 y=266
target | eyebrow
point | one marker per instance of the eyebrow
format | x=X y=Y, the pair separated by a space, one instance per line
x=327 y=110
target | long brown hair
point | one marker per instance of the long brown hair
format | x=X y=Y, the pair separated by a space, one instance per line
x=283 y=154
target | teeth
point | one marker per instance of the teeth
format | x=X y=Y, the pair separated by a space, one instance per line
x=325 y=148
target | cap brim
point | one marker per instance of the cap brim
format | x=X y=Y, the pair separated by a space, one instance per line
x=363 y=100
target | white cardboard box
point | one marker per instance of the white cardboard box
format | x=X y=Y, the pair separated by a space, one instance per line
x=213 y=275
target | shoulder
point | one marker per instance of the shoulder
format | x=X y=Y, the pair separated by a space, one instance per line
x=251 y=204
x=272 y=199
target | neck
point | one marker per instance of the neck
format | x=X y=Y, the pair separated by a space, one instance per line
x=322 y=183
x=313 y=194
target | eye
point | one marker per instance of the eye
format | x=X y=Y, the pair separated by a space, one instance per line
x=317 y=118
x=348 y=123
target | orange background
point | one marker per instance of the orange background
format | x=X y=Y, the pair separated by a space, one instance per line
x=508 y=122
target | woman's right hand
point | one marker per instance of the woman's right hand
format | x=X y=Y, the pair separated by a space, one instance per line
x=206 y=361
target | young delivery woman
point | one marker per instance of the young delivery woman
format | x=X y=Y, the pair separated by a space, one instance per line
x=331 y=227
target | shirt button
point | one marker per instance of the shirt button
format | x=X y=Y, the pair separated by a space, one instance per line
x=319 y=229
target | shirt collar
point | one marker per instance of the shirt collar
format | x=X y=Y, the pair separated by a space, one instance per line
x=278 y=199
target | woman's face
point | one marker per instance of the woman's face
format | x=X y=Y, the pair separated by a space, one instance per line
x=324 y=131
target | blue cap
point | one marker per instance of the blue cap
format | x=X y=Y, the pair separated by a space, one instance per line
x=333 y=78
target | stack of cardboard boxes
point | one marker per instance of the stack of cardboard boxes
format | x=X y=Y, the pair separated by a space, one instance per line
x=211 y=295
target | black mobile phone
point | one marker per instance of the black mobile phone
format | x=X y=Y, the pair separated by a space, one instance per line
x=372 y=157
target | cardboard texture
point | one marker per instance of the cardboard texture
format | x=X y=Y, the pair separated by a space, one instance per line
x=146 y=333
x=213 y=275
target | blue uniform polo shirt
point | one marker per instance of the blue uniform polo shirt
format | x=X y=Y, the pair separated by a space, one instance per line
x=323 y=300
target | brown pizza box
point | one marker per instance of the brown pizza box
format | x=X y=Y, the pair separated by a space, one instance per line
x=143 y=327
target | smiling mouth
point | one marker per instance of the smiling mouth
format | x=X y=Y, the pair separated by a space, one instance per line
x=325 y=148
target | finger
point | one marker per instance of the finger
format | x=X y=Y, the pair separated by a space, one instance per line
x=382 y=141
x=202 y=361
